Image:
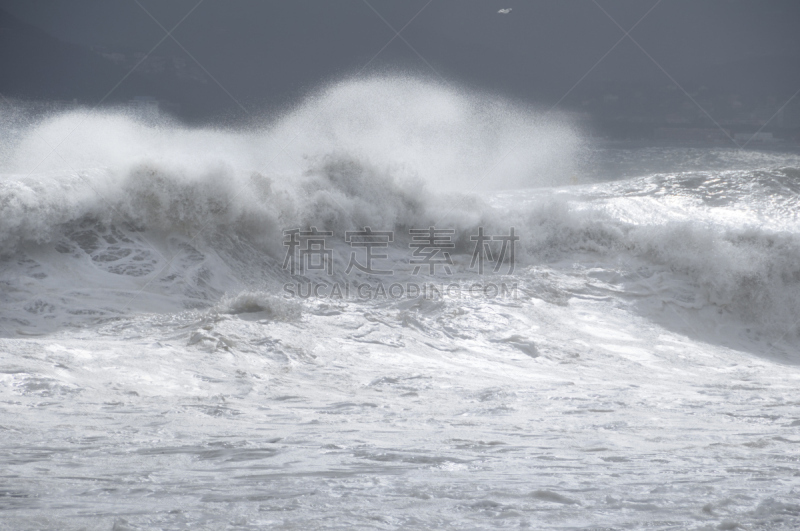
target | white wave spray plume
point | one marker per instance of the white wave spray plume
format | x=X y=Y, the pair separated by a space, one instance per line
x=374 y=150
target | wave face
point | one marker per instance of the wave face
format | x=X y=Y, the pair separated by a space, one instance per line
x=116 y=196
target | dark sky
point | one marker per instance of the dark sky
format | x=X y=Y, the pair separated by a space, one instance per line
x=264 y=52
x=715 y=29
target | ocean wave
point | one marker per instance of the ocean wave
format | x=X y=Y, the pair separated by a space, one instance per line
x=171 y=217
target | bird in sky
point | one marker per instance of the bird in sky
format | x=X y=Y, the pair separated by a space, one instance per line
x=505 y=11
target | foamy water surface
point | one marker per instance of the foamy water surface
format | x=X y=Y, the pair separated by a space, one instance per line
x=640 y=371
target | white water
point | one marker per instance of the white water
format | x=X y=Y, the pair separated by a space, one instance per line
x=155 y=375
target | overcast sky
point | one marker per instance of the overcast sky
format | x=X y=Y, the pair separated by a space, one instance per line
x=259 y=50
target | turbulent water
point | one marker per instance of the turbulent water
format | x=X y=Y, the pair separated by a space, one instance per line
x=635 y=365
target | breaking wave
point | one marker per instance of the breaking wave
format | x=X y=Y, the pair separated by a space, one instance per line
x=364 y=152
x=99 y=209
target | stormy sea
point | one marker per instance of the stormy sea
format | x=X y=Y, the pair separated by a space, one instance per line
x=396 y=305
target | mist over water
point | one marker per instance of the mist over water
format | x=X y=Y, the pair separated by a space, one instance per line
x=656 y=301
